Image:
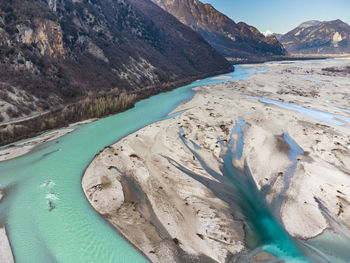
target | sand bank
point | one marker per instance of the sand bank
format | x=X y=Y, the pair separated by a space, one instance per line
x=18 y=149
x=5 y=248
x=142 y=185
x=6 y=255
x=223 y=77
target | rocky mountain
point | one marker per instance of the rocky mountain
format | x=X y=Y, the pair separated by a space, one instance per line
x=278 y=36
x=316 y=37
x=233 y=40
x=55 y=51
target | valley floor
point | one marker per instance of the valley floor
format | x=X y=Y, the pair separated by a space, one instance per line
x=158 y=186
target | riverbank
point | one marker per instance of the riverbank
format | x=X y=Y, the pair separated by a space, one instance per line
x=19 y=149
x=142 y=185
x=94 y=105
x=6 y=255
x=290 y=57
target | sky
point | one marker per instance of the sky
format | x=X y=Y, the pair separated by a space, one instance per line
x=281 y=16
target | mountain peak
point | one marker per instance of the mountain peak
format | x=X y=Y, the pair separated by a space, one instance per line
x=337 y=22
x=234 y=40
x=318 y=37
x=310 y=23
x=268 y=33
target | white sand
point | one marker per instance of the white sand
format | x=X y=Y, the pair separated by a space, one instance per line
x=5 y=248
x=185 y=208
x=15 y=150
x=222 y=77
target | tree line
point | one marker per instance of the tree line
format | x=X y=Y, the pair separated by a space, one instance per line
x=93 y=106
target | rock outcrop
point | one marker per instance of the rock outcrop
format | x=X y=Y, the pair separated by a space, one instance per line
x=47 y=37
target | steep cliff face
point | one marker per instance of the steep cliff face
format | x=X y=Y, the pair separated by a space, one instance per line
x=230 y=39
x=47 y=37
x=58 y=50
x=316 y=37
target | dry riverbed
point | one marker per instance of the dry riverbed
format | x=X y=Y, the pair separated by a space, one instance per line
x=142 y=187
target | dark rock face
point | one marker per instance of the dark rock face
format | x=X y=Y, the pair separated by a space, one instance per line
x=65 y=48
x=316 y=37
x=230 y=39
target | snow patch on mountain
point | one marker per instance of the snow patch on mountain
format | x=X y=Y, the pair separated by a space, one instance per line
x=337 y=38
x=267 y=33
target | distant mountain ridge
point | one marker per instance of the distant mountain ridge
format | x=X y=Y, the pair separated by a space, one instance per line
x=235 y=40
x=310 y=23
x=318 y=37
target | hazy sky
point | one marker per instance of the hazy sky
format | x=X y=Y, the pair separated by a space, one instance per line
x=281 y=16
